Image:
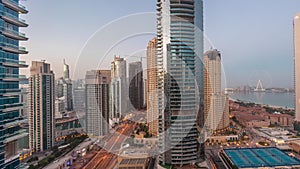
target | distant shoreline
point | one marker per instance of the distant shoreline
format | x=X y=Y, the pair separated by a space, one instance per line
x=261 y=104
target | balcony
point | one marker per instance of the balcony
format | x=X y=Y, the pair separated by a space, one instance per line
x=14 y=20
x=15 y=136
x=13 y=34
x=11 y=94
x=13 y=77
x=12 y=158
x=15 y=123
x=15 y=6
x=14 y=108
x=4 y=91
x=14 y=49
x=19 y=64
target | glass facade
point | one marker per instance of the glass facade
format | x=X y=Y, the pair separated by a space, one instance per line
x=10 y=104
x=180 y=80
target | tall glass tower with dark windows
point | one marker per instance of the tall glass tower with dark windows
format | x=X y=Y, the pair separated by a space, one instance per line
x=10 y=104
x=180 y=81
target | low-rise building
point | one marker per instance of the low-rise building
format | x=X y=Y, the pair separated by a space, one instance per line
x=256 y=116
x=222 y=139
x=251 y=119
x=295 y=146
x=278 y=135
x=133 y=158
x=258 y=158
x=67 y=126
x=280 y=119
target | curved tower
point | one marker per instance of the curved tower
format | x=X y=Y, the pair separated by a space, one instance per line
x=180 y=80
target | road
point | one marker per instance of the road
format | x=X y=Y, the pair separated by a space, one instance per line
x=67 y=157
x=108 y=155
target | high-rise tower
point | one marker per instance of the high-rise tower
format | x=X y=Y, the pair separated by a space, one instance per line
x=180 y=80
x=66 y=70
x=10 y=106
x=151 y=92
x=41 y=107
x=119 y=89
x=97 y=83
x=136 y=83
x=297 y=69
x=215 y=109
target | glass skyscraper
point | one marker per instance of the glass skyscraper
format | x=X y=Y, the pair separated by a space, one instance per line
x=97 y=84
x=10 y=104
x=180 y=81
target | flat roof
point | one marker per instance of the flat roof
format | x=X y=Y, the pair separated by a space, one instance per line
x=135 y=161
x=260 y=157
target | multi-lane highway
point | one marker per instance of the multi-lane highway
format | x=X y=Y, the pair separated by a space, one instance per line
x=108 y=155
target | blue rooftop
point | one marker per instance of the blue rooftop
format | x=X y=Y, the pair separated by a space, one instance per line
x=260 y=157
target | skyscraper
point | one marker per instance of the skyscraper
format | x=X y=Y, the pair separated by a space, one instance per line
x=68 y=94
x=119 y=89
x=152 y=102
x=215 y=114
x=64 y=88
x=97 y=102
x=225 y=122
x=78 y=95
x=136 y=83
x=180 y=83
x=66 y=70
x=41 y=107
x=297 y=69
x=10 y=106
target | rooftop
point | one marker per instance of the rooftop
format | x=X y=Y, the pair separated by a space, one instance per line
x=135 y=161
x=260 y=157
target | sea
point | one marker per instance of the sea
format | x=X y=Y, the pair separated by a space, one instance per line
x=285 y=100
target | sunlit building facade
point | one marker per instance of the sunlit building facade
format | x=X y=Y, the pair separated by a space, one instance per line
x=66 y=70
x=41 y=107
x=216 y=109
x=151 y=88
x=297 y=69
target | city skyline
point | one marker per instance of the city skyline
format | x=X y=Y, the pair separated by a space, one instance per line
x=156 y=84
x=238 y=52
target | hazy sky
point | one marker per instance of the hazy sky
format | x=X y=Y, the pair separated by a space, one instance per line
x=255 y=37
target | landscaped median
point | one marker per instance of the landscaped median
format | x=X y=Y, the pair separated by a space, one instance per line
x=70 y=143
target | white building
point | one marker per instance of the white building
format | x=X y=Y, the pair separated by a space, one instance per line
x=119 y=89
x=297 y=65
